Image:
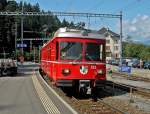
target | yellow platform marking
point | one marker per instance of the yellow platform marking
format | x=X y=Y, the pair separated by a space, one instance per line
x=46 y=101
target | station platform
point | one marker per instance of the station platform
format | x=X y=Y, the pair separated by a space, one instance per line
x=49 y=100
x=123 y=80
x=54 y=104
x=145 y=73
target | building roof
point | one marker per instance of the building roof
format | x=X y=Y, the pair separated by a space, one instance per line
x=106 y=31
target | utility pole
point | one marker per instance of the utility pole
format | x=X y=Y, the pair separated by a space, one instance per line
x=22 y=30
x=30 y=47
x=34 y=53
x=16 y=40
x=121 y=38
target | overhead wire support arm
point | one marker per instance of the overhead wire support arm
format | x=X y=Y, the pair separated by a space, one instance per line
x=23 y=14
x=59 y=14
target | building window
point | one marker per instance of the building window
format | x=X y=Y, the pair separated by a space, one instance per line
x=108 y=54
x=107 y=41
x=117 y=55
x=116 y=41
x=116 y=48
x=107 y=47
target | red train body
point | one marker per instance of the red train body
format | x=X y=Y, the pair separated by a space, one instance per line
x=75 y=58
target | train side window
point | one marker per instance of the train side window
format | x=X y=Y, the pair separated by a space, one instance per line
x=101 y=52
x=57 y=50
x=104 y=52
x=94 y=52
x=49 y=53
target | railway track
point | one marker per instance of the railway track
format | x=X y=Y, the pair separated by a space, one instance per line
x=132 y=90
x=86 y=105
x=132 y=77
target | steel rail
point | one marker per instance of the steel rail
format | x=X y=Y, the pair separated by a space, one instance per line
x=104 y=103
x=132 y=77
x=139 y=90
x=112 y=107
x=99 y=100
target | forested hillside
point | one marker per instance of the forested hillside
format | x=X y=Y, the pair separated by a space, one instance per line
x=33 y=26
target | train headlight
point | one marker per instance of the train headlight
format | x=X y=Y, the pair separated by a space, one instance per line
x=65 y=71
x=99 y=72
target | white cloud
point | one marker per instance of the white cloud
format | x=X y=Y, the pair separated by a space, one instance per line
x=139 y=27
x=134 y=21
x=132 y=28
x=144 y=17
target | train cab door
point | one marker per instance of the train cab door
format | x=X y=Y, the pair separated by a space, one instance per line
x=48 y=59
x=53 y=60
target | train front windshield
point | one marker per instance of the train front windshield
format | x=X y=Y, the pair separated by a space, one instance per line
x=71 y=50
x=94 y=52
x=74 y=51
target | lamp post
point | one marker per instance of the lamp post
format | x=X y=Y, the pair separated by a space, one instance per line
x=15 y=40
x=45 y=28
x=120 y=38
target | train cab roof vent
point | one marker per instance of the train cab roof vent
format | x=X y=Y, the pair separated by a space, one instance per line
x=66 y=29
x=63 y=29
x=84 y=33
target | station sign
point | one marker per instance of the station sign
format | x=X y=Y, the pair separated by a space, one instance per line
x=21 y=45
x=125 y=69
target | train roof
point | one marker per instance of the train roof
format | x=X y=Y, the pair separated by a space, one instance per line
x=76 y=33
x=67 y=33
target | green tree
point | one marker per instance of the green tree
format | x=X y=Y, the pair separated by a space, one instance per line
x=33 y=24
x=3 y=3
x=65 y=23
x=136 y=50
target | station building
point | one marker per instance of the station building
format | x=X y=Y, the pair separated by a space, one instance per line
x=112 y=43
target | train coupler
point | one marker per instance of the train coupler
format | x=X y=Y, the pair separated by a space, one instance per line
x=84 y=86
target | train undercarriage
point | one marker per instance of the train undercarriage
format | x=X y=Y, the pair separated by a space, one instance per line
x=81 y=86
x=78 y=87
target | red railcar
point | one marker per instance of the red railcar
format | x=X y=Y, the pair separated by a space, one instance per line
x=75 y=58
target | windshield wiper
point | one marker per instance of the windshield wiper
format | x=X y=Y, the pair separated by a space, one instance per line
x=89 y=56
x=77 y=58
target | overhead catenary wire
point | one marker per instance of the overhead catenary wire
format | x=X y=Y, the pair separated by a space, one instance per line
x=69 y=6
x=140 y=5
x=97 y=5
x=128 y=6
x=91 y=15
x=60 y=14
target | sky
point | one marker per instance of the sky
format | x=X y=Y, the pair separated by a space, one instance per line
x=136 y=14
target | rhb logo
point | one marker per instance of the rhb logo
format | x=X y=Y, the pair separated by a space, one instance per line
x=84 y=69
